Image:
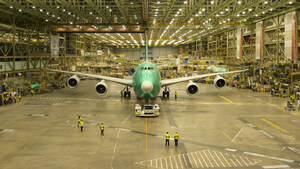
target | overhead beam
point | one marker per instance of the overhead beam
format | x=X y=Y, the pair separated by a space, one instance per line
x=101 y=30
x=18 y=15
x=92 y=5
x=73 y=9
x=45 y=7
x=170 y=8
x=32 y=12
x=214 y=11
x=121 y=9
x=196 y=7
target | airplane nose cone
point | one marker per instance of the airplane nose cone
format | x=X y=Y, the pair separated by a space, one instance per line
x=147 y=86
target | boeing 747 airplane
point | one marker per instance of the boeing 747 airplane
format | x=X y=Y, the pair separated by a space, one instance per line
x=146 y=81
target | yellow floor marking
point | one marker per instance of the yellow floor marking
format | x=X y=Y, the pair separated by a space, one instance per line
x=279 y=108
x=293 y=113
x=267 y=103
x=258 y=99
x=274 y=125
x=228 y=137
x=226 y=99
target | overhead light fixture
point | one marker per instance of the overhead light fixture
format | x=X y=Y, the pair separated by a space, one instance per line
x=243 y=12
x=266 y=2
x=256 y=15
x=47 y=13
x=226 y=9
x=221 y=12
x=271 y=9
x=156 y=9
x=185 y=2
x=110 y=10
x=33 y=7
x=158 y=2
x=69 y=13
x=263 y=12
x=212 y=2
x=64 y=10
x=41 y=10
x=91 y=13
x=20 y=10
x=57 y=6
x=180 y=9
x=238 y=15
x=107 y=6
x=250 y=9
x=239 y=2
x=203 y=9
x=290 y=2
x=10 y=7
x=217 y=15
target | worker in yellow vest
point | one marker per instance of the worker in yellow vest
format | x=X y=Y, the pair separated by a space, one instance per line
x=81 y=125
x=31 y=92
x=175 y=94
x=176 y=137
x=79 y=120
x=102 y=129
x=167 y=137
x=20 y=97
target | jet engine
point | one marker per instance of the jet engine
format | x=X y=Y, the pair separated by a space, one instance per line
x=73 y=81
x=101 y=88
x=219 y=82
x=191 y=88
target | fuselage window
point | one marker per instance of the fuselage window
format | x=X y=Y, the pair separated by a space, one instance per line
x=147 y=68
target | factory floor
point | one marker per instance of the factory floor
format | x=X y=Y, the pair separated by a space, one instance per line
x=218 y=128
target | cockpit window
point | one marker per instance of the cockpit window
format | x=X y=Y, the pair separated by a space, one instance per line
x=147 y=68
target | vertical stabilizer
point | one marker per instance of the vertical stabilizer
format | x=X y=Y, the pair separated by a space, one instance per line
x=146 y=53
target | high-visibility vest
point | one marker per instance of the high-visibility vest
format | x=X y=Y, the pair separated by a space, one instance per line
x=176 y=136
x=81 y=124
x=20 y=96
x=175 y=93
x=79 y=119
x=102 y=127
x=167 y=136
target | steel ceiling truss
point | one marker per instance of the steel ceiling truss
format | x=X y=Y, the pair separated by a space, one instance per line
x=204 y=17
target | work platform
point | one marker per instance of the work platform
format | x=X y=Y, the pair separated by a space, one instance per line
x=218 y=128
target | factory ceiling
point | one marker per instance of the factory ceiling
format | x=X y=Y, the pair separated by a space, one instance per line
x=166 y=22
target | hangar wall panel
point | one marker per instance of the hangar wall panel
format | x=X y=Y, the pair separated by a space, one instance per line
x=258 y=40
x=289 y=36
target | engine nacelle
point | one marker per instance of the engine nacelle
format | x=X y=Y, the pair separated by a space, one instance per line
x=73 y=81
x=191 y=88
x=101 y=88
x=219 y=82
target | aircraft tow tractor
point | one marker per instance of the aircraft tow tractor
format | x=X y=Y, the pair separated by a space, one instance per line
x=147 y=110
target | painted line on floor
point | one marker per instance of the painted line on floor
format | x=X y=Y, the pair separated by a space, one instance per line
x=226 y=99
x=270 y=157
x=266 y=134
x=228 y=137
x=230 y=149
x=274 y=125
x=237 y=134
x=294 y=150
x=293 y=113
x=280 y=108
x=276 y=166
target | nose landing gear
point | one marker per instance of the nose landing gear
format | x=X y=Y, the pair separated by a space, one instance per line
x=126 y=92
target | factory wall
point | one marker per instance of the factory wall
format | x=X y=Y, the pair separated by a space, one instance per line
x=136 y=53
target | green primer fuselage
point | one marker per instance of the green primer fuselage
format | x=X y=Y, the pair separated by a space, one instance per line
x=141 y=76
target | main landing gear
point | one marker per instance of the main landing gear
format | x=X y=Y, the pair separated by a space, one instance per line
x=166 y=92
x=126 y=92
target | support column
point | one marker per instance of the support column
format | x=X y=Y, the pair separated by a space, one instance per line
x=289 y=35
x=239 y=43
x=258 y=40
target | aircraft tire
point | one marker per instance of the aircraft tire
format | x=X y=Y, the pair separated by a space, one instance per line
x=163 y=93
x=128 y=93
x=168 y=94
x=125 y=93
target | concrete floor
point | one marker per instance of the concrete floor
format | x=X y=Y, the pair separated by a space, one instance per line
x=218 y=128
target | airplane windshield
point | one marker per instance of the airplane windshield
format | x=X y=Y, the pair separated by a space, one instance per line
x=147 y=68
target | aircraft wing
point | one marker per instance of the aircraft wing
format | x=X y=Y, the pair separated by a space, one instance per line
x=182 y=79
x=126 y=82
